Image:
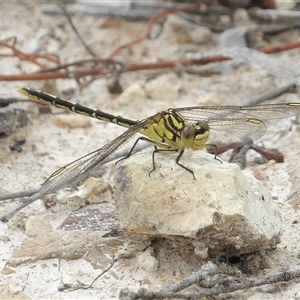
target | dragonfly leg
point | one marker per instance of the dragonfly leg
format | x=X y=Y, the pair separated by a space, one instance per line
x=181 y=165
x=134 y=145
x=215 y=147
x=153 y=156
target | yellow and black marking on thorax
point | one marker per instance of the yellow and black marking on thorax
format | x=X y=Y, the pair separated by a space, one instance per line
x=172 y=129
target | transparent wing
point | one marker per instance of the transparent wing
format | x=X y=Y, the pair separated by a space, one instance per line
x=263 y=112
x=80 y=169
x=235 y=131
x=228 y=124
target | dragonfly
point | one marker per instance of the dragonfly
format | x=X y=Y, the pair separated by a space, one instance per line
x=174 y=129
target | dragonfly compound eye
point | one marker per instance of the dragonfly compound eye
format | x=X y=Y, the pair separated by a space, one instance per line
x=201 y=127
x=188 y=132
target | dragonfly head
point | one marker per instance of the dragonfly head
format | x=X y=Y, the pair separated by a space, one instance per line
x=192 y=134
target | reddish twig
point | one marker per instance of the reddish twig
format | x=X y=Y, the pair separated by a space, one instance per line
x=151 y=22
x=29 y=56
x=280 y=48
x=103 y=70
x=108 y=66
x=35 y=76
x=173 y=63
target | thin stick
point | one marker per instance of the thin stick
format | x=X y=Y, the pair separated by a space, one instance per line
x=15 y=195
x=270 y=94
x=231 y=287
x=85 y=287
x=27 y=201
x=208 y=269
x=85 y=45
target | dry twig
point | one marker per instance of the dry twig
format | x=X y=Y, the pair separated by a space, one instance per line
x=226 y=287
x=72 y=288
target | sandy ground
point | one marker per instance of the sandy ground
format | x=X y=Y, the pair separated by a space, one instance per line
x=49 y=146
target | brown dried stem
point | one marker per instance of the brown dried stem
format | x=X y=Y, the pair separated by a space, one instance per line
x=32 y=57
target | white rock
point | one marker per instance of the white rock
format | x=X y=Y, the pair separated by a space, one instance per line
x=147 y=261
x=164 y=87
x=233 y=37
x=70 y=245
x=223 y=209
x=39 y=149
x=285 y=5
x=72 y=121
x=200 y=249
x=241 y=17
x=92 y=191
x=7 y=293
x=210 y=281
x=186 y=32
x=37 y=224
x=134 y=92
x=200 y=35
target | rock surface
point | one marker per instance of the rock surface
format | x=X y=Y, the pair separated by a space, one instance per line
x=12 y=118
x=221 y=210
x=184 y=31
x=44 y=242
x=92 y=191
x=164 y=87
x=72 y=121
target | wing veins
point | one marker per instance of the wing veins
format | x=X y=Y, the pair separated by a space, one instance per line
x=264 y=112
x=81 y=168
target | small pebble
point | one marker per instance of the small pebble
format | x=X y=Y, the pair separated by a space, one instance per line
x=72 y=121
x=39 y=149
x=259 y=174
x=164 y=87
x=16 y=146
x=147 y=261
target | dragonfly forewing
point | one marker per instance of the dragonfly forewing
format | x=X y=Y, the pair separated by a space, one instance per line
x=235 y=131
x=80 y=169
x=262 y=112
